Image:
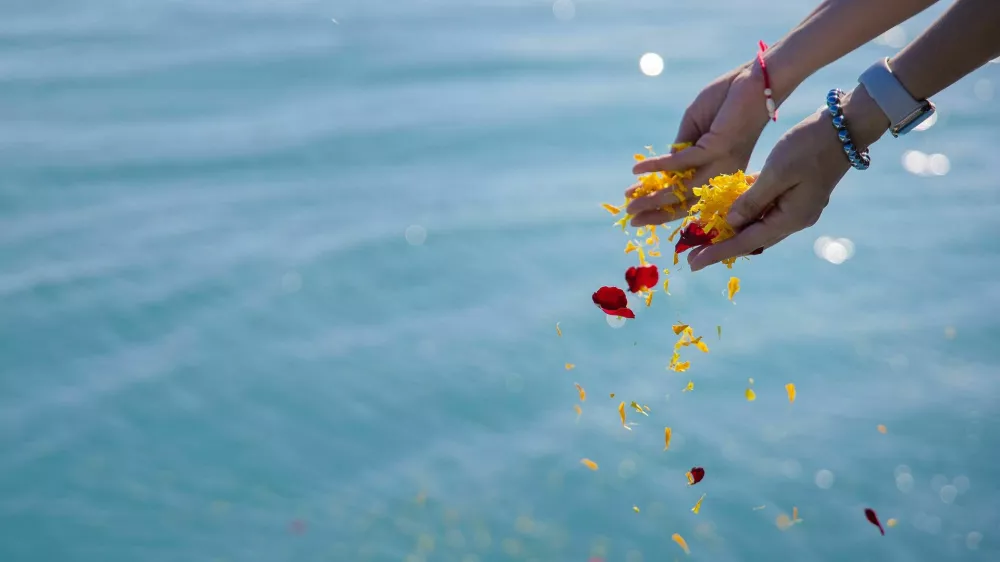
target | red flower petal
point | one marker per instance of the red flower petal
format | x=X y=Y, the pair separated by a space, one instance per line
x=642 y=277
x=610 y=298
x=693 y=236
x=697 y=473
x=873 y=519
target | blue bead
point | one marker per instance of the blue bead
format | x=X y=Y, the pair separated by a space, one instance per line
x=849 y=147
x=832 y=98
x=844 y=136
x=838 y=120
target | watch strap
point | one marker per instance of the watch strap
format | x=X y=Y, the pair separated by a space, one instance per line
x=889 y=94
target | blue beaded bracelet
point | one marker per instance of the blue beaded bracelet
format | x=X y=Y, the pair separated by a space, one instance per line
x=860 y=160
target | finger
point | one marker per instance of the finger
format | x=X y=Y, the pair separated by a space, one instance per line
x=750 y=206
x=659 y=216
x=760 y=233
x=689 y=158
x=653 y=201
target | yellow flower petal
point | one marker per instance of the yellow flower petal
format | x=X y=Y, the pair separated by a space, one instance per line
x=795 y=514
x=783 y=522
x=882 y=429
x=697 y=506
x=642 y=257
x=612 y=395
x=676 y=258
x=667 y=434
x=558 y=330
x=891 y=522
x=666 y=286
x=678 y=328
x=635 y=508
x=630 y=247
x=589 y=464
x=639 y=157
x=684 y=366
x=681 y=542
x=700 y=344
x=751 y=395
x=641 y=232
x=611 y=208
x=638 y=408
x=654 y=253
x=621 y=414
x=790 y=389
x=690 y=386
x=649 y=298
x=581 y=392
x=734 y=286
x=578 y=410
x=570 y=366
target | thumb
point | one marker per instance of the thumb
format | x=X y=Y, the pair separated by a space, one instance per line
x=764 y=190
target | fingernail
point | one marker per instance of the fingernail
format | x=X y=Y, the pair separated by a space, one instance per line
x=735 y=219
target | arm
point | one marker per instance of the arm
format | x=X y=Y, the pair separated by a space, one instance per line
x=832 y=30
x=963 y=39
x=808 y=162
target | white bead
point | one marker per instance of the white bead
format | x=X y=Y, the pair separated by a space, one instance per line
x=767 y=92
x=770 y=105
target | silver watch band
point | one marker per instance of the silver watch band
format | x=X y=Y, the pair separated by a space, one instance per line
x=890 y=95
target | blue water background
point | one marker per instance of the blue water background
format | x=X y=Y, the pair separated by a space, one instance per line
x=218 y=345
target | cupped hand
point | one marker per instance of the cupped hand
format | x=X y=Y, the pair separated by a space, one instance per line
x=795 y=183
x=724 y=123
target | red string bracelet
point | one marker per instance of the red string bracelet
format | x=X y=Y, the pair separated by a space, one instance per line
x=772 y=109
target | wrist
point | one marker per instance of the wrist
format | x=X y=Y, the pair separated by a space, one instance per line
x=785 y=71
x=864 y=118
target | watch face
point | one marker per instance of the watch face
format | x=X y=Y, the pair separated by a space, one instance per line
x=916 y=119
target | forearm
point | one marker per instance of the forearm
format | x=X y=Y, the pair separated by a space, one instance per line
x=832 y=30
x=966 y=37
x=960 y=41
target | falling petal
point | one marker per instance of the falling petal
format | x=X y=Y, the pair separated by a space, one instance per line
x=611 y=208
x=638 y=408
x=570 y=366
x=666 y=286
x=718 y=330
x=695 y=475
x=638 y=157
x=689 y=387
x=697 y=506
x=630 y=247
x=882 y=429
x=795 y=514
x=642 y=278
x=679 y=328
x=621 y=414
x=681 y=542
x=750 y=380
x=751 y=395
x=700 y=344
x=635 y=508
x=873 y=519
x=581 y=391
x=759 y=507
x=891 y=522
x=649 y=298
x=589 y=464
x=783 y=522
x=558 y=330
x=790 y=388
x=734 y=286
x=612 y=395
x=578 y=410
x=667 y=434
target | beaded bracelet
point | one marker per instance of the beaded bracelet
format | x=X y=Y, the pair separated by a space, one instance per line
x=772 y=109
x=860 y=160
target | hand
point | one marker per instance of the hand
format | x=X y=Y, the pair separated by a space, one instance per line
x=724 y=123
x=795 y=184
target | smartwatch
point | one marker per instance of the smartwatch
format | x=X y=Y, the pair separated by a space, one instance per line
x=904 y=112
